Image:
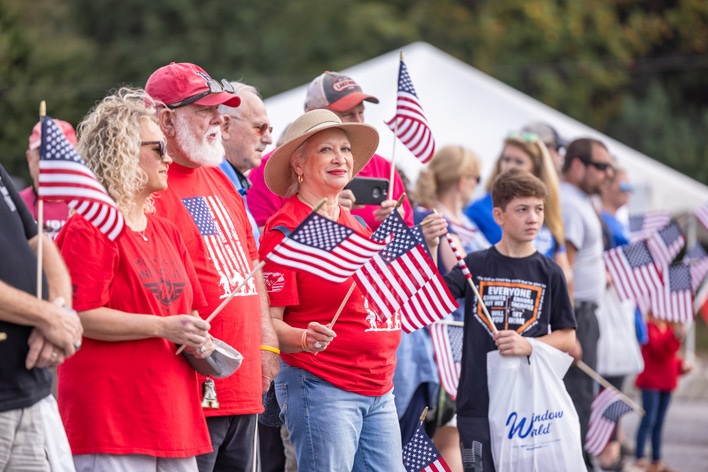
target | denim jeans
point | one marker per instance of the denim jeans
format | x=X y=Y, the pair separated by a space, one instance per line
x=336 y=430
x=655 y=404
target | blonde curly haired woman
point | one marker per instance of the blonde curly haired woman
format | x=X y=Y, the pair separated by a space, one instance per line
x=136 y=298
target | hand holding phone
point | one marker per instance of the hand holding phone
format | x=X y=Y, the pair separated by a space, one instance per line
x=369 y=190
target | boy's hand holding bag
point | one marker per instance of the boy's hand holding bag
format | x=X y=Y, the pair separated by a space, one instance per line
x=532 y=421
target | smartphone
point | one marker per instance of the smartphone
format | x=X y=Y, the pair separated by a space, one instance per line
x=369 y=190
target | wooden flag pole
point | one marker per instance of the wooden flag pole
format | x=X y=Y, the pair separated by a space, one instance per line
x=341 y=306
x=392 y=174
x=601 y=380
x=40 y=210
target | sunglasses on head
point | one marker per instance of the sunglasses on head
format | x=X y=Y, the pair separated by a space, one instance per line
x=626 y=187
x=214 y=87
x=601 y=166
x=523 y=136
x=161 y=147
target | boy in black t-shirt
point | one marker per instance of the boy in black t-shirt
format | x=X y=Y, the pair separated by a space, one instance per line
x=526 y=296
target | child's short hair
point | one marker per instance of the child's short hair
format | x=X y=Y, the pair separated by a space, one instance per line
x=516 y=183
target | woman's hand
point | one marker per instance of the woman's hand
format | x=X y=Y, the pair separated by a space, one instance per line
x=316 y=337
x=204 y=350
x=511 y=343
x=347 y=200
x=385 y=209
x=190 y=330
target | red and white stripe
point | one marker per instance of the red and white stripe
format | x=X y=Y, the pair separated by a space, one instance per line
x=458 y=256
x=432 y=302
x=447 y=367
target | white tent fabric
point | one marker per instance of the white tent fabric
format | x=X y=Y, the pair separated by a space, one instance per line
x=465 y=106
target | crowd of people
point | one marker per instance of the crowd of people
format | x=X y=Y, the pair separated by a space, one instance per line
x=183 y=159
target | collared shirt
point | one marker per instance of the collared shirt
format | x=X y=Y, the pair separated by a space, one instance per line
x=242 y=184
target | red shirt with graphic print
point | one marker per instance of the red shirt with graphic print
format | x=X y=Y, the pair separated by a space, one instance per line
x=362 y=357
x=120 y=397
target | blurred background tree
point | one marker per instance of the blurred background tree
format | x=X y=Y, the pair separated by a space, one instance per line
x=634 y=69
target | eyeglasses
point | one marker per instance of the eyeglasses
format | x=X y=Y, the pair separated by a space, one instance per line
x=161 y=147
x=214 y=87
x=626 y=187
x=261 y=128
x=523 y=136
x=601 y=166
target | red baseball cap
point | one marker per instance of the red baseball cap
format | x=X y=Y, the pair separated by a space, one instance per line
x=336 y=92
x=35 y=138
x=179 y=84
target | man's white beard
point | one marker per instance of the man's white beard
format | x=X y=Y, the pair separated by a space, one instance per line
x=200 y=152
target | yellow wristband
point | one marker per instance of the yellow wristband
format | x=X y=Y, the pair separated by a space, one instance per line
x=270 y=348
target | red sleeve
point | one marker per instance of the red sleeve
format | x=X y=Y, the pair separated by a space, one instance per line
x=91 y=277
x=280 y=281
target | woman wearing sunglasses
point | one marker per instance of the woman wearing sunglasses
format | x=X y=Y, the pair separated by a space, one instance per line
x=119 y=395
x=527 y=152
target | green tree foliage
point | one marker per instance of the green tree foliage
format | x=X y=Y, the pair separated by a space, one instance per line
x=590 y=60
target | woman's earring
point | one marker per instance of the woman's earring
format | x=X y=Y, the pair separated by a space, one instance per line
x=300 y=178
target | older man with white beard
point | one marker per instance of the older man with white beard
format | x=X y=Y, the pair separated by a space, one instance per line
x=203 y=203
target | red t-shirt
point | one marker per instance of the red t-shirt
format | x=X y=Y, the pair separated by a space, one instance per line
x=263 y=203
x=121 y=397
x=55 y=213
x=362 y=358
x=661 y=362
x=212 y=219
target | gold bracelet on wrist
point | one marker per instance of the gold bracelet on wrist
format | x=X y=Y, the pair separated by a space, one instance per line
x=303 y=342
x=272 y=349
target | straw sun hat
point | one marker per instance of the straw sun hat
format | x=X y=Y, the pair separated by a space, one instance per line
x=364 y=140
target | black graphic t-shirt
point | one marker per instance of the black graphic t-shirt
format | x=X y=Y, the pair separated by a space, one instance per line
x=527 y=294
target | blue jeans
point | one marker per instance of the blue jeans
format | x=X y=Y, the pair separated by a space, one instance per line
x=336 y=430
x=655 y=404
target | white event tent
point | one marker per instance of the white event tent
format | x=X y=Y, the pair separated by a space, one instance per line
x=465 y=106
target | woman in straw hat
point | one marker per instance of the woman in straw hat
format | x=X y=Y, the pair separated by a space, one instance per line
x=337 y=405
x=135 y=295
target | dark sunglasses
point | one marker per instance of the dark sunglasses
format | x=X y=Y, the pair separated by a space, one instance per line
x=260 y=127
x=214 y=87
x=161 y=147
x=601 y=166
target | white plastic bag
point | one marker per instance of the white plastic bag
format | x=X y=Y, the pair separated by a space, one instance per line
x=618 y=351
x=532 y=420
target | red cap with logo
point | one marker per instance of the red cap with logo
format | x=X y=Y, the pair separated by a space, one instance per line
x=179 y=84
x=35 y=138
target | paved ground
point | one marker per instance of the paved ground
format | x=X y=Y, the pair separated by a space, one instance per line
x=686 y=428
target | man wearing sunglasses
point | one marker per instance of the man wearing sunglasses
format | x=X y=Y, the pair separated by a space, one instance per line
x=211 y=215
x=586 y=167
x=245 y=134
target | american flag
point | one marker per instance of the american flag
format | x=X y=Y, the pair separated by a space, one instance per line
x=63 y=175
x=420 y=454
x=697 y=258
x=606 y=410
x=643 y=226
x=409 y=123
x=432 y=302
x=633 y=273
x=701 y=303
x=665 y=244
x=447 y=344
x=325 y=248
x=702 y=215
x=675 y=301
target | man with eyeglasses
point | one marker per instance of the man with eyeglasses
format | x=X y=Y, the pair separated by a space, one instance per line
x=211 y=215
x=587 y=166
x=245 y=134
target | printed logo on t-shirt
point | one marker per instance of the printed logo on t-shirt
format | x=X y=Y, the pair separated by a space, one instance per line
x=224 y=248
x=165 y=291
x=512 y=304
x=8 y=200
x=274 y=281
x=379 y=322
